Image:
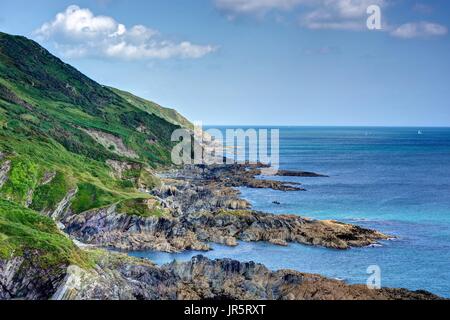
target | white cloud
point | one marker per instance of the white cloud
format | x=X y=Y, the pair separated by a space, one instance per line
x=419 y=30
x=78 y=32
x=318 y=14
x=334 y=15
x=339 y=14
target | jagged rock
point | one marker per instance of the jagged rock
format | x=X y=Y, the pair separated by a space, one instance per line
x=278 y=242
x=204 y=210
x=21 y=279
x=121 y=277
x=48 y=177
x=105 y=227
x=29 y=198
x=63 y=205
x=4 y=171
x=120 y=167
x=111 y=142
x=235 y=175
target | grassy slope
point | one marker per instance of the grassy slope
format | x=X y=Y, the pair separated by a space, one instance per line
x=23 y=230
x=44 y=103
x=170 y=115
x=43 y=96
x=46 y=107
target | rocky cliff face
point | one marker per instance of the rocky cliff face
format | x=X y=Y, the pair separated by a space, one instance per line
x=20 y=278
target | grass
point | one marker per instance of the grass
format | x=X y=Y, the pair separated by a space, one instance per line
x=90 y=196
x=44 y=106
x=115 y=259
x=149 y=180
x=23 y=230
x=62 y=100
x=97 y=187
x=22 y=177
x=47 y=197
x=165 y=113
x=58 y=121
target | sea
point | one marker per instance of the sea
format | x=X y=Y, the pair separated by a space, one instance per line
x=395 y=180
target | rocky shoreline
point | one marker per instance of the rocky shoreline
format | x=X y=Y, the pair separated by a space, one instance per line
x=78 y=180
x=204 y=207
x=120 y=277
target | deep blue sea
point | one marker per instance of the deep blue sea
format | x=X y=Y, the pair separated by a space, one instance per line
x=396 y=180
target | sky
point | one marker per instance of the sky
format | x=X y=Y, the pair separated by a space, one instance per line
x=257 y=62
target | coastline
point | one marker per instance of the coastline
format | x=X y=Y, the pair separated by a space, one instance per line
x=88 y=179
x=206 y=208
x=225 y=218
x=124 y=278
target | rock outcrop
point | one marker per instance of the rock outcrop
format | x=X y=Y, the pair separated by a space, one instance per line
x=63 y=205
x=105 y=227
x=280 y=230
x=121 y=277
x=21 y=278
x=111 y=142
x=120 y=167
x=237 y=175
x=108 y=228
x=204 y=208
x=5 y=167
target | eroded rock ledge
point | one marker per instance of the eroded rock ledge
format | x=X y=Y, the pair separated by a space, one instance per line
x=121 y=277
x=193 y=232
x=115 y=276
x=239 y=175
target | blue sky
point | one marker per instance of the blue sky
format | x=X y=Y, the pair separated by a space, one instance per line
x=257 y=62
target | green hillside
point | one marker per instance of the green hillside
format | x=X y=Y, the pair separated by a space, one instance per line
x=170 y=115
x=23 y=231
x=56 y=122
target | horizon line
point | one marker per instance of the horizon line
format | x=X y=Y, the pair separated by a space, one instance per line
x=329 y=126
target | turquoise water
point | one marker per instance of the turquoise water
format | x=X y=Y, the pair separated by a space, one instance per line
x=391 y=179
